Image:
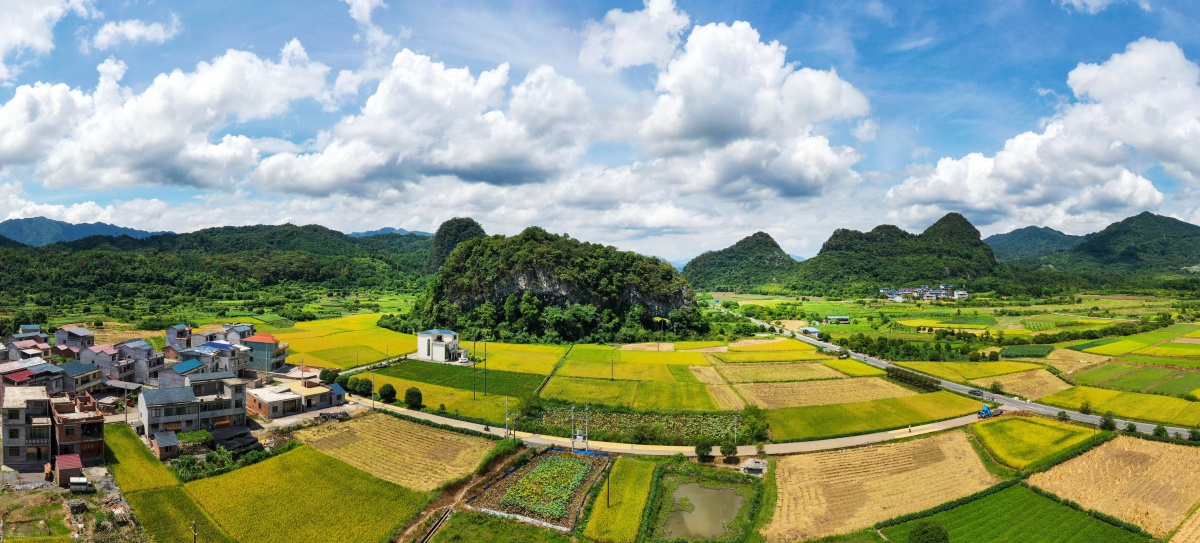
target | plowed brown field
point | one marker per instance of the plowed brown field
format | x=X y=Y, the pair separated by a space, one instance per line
x=725 y=397
x=766 y=373
x=831 y=391
x=1030 y=384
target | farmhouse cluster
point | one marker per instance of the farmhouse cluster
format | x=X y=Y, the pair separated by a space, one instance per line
x=57 y=390
x=924 y=293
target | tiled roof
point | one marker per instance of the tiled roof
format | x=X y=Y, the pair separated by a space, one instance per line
x=29 y=328
x=106 y=349
x=214 y=376
x=19 y=376
x=337 y=389
x=30 y=344
x=77 y=330
x=260 y=338
x=437 y=331
x=68 y=461
x=166 y=439
x=179 y=327
x=77 y=368
x=44 y=368
x=187 y=365
x=136 y=343
x=166 y=396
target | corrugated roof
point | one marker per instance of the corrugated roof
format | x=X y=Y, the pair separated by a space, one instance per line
x=214 y=376
x=68 y=461
x=179 y=327
x=19 y=376
x=219 y=345
x=166 y=439
x=260 y=338
x=187 y=365
x=337 y=389
x=77 y=330
x=30 y=328
x=437 y=331
x=106 y=349
x=45 y=368
x=77 y=368
x=203 y=350
x=137 y=343
x=166 y=396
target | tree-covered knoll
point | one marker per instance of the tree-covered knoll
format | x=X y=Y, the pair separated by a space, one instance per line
x=1031 y=242
x=750 y=263
x=448 y=236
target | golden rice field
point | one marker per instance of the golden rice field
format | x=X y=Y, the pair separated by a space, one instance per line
x=657 y=395
x=1189 y=532
x=305 y=495
x=606 y=354
x=132 y=464
x=490 y=407
x=1130 y=405
x=1116 y=348
x=831 y=391
x=770 y=356
x=839 y=492
x=1151 y=484
x=343 y=342
x=764 y=373
x=966 y=371
x=1021 y=441
x=853 y=368
x=1029 y=384
x=537 y=359
x=406 y=453
x=616 y=370
x=707 y=375
x=782 y=344
x=617 y=514
x=726 y=398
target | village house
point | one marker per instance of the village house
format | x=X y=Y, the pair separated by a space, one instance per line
x=28 y=348
x=266 y=353
x=3 y=353
x=219 y=356
x=173 y=409
x=165 y=444
x=292 y=398
x=78 y=427
x=27 y=428
x=179 y=337
x=81 y=377
x=838 y=319
x=14 y=372
x=439 y=346
x=112 y=364
x=46 y=375
x=222 y=398
x=961 y=295
x=28 y=331
x=70 y=340
x=176 y=375
x=146 y=362
x=206 y=401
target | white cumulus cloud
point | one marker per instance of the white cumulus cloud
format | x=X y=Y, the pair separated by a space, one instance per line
x=113 y=34
x=624 y=39
x=28 y=26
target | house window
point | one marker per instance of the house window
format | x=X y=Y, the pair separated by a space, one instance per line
x=154 y=427
x=66 y=449
x=237 y=403
x=14 y=414
x=14 y=451
x=39 y=433
x=274 y=409
x=70 y=430
x=14 y=434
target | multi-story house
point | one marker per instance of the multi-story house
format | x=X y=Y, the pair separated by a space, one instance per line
x=146 y=362
x=78 y=427
x=235 y=333
x=47 y=375
x=176 y=375
x=296 y=397
x=207 y=401
x=3 y=353
x=174 y=409
x=109 y=359
x=69 y=341
x=28 y=348
x=29 y=331
x=27 y=428
x=81 y=378
x=226 y=356
x=266 y=353
x=179 y=337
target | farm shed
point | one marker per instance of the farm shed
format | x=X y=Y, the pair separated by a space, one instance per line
x=165 y=445
x=67 y=466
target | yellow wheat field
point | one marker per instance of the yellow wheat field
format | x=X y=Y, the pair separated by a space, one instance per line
x=1030 y=384
x=764 y=373
x=406 y=453
x=837 y=492
x=1147 y=483
x=776 y=395
x=726 y=398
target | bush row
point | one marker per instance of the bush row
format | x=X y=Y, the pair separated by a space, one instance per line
x=948 y=505
x=922 y=382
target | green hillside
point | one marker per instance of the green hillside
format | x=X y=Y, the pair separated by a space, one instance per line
x=752 y=262
x=1031 y=242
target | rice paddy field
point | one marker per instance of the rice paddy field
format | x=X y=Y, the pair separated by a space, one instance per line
x=824 y=392
x=1027 y=384
x=1129 y=405
x=962 y=372
x=813 y=422
x=770 y=356
x=488 y=407
x=652 y=395
x=837 y=492
x=535 y=359
x=343 y=342
x=617 y=511
x=781 y=344
x=250 y=503
x=406 y=453
x=1018 y=514
x=766 y=373
x=853 y=368
x=132 y=464
x=505 y=383
x=1141 y=379
x=1153 y=485
x=167 y=514
x=1019 y=442
x=471 y=526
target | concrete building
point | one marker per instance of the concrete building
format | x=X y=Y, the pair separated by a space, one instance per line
x=439 y=346
x=146 y=362
x=70 y=340
x=110 y=361
x=207 y=401
x=28 y=348
x=66 y=467
x=292 y=398
x=47 y=375
x=165 y=444
x=27 y=428
x=266 y=353
x=219 y=355
x=179 y=337
x=78 y=427
x=173 y=409
x=961 y=295
x=81 y=377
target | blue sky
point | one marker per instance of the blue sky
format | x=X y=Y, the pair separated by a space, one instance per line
x=663 y=127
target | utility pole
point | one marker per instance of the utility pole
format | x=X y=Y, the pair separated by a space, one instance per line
x=485 y=342
x=506 y=417
x=586 y=437
x=572 y=427
x=193 y=531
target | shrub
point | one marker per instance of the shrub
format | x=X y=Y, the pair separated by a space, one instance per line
x=997 y=387
x=412 y=398
x=913 y=378
x=1086 y=407
x=1131 y=428
x=928 y=532
x=387 y=393
x=703 y=448
x=1160 y=431
x=343 y=381
x=352 y=385
x=1193 y=435
x=365 y=387
x=729 y=449
x=1063 y=416
x=1107 y=422
x=994 y=356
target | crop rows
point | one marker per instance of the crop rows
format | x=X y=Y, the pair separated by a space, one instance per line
x=830 y=391
x=505 y=383
x=1021 y=441
x=1026 y=351
x=617 y=513
x=764 y=373
x=1028 y=384
x=810 y=422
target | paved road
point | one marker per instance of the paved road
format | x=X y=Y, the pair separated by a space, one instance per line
x=1007 y=402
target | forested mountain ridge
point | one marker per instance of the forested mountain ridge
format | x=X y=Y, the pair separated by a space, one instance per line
x=6 y=243
x=950 y=249
x=754 y=261
x=1031 y=242
x=447 y=237
x=387 y=230
x=38 y=231
x=542 y=285
x=1143 y=242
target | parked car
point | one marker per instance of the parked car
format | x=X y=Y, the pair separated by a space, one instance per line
x=976 y=392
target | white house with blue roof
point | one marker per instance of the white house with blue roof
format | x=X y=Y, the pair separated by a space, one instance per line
x=439 y=345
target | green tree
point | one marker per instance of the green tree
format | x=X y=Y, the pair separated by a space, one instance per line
x=1131 y=428
x=703 y=448
x=1063 y=416
x=1107 y=422
x=928 y=532
x=729 y=448
x=1161 y=431
x=1086 y=407
x=997 y=387
x=387 y=393
x=412 y=398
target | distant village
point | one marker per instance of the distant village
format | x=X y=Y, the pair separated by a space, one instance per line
x=924 y=293
x=58 y=390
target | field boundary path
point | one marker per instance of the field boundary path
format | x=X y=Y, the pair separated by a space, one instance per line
x=1007 y=402
x=540 y=440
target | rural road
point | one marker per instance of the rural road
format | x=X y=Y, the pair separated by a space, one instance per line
x=1007 y=402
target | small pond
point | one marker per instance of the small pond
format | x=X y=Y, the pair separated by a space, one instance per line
x=710 y=510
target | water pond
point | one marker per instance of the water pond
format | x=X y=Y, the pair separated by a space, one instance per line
x=701 y=513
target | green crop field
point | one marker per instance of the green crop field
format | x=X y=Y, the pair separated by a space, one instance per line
x=1026 y=351
x=810 y=422
x=334 y=497
x=618 y=370
x=343 y=342
x=537 y=359
x=853 y=368
x=132 y=464
x=771 y=356
x=1021 y=441
x=167 y=515
x=1161 y=361
x=683 y=374
x=657 y=395
x=1184 y=382
x=1117 y=348
x=594 y=353
x=1176 y=350
x=1140 y=379
x=456 y=400
x=498 y=382
x=981 y=320
x=1019 y=514
x=1134 y=405
x=472 y=527
x=785 y=345
x=1093 y=344
x=966 y=371
x=598 y=391
x=1099 y=374
x=617 y=511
